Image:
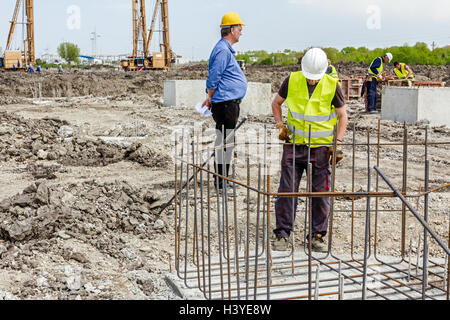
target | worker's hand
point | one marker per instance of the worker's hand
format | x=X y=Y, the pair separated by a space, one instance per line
x=339 y=153
x=283 y=132
x=207 y=103
x=380 y=78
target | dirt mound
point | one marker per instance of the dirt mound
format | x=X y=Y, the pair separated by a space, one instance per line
x=148 y=156
x=28 y=140
x=51 y=139
x=87 y=210
x=96 y=83
x=72 y=242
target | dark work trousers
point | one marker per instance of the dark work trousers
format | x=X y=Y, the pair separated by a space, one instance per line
x=372 y=94
x=285 y=208
x=226 y=115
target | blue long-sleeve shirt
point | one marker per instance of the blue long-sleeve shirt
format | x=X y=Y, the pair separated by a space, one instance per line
x=376 y=64
x=225 y=74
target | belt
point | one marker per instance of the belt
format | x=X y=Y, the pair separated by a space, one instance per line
x=238 y=101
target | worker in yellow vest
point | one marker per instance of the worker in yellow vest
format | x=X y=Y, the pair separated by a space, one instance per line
x=314 y=99
x=374 y=75
x=332 y=72
x=403 y=71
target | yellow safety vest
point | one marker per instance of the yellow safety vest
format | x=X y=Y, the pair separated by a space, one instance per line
x=380 y=69
x=403 y=73
x=316 y=111
x=334 y=74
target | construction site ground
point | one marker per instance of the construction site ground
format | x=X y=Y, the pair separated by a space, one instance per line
x=86 y=165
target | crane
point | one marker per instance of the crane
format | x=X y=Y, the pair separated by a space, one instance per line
x=16 y=59
x=141 y=58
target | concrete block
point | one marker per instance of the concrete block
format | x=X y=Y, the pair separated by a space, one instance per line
x=187 y=93
x=412 y=105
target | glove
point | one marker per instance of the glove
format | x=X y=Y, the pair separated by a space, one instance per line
x=339 y=153
x=283 y=132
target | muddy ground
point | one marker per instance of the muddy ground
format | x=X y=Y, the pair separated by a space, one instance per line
x=86 y=163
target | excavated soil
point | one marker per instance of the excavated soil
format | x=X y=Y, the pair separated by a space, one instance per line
x=87 y=164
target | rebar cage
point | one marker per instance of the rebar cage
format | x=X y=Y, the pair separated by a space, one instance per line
x=223 y=240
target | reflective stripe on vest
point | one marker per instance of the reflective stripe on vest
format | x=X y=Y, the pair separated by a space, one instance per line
x=319 y=134
x=301 y=116
x=403 y=72
x=380 y=69
x=316 y=110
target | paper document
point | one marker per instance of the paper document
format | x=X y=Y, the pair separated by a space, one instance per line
x=204 y=111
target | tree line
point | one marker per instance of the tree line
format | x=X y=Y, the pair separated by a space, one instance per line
x=419 y=54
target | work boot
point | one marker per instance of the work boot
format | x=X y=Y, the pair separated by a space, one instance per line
x=280 y=244
x=318 y=243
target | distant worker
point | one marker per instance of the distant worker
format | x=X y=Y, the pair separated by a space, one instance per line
x=14 y=67
x=60 y=70
x=403 y=71
x=38 y=69
x=226 y=87
x=332 y=72
x=31 y=70
x=374 y=75
x=313 y=98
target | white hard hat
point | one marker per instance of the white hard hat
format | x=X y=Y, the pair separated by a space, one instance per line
x=390 y=56
x=314 y=64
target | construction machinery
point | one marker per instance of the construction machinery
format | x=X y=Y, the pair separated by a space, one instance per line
x=15 y=59
x=141 y=59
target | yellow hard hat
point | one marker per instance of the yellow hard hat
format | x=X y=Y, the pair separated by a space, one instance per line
x=231 y=19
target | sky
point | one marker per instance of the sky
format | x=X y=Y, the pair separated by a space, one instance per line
x=271 y=25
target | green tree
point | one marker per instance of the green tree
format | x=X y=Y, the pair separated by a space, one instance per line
x=40 y=62
x=69 y=52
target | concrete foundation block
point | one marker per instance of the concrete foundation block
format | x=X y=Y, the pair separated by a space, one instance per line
x=412 y=105
x=187 y=93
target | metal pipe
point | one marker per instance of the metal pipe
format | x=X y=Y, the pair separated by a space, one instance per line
x=209 y=232
x=257 y=231
x=195 y=245
x=316 y=288
x=405 y=170
x=236 y=231
x=377 y=189
x=352 y=233
x=187 y=215
x=333 y=183
x=247 y=246
x=366 y=239
x=425 y=236
x=219 y=236
x=425 y=218
x=418 y=255
x=310 y=235
x=267 y=179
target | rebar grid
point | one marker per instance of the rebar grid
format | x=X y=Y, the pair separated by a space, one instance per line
x=225 y=251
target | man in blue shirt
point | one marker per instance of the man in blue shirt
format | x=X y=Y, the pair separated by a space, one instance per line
x=226 y=87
